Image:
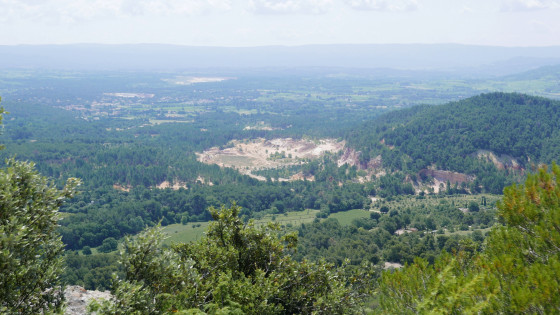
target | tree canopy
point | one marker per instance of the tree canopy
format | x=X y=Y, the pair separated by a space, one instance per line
x=30 y=246
x=517 y=272
x=238 y=268
x=453 y=135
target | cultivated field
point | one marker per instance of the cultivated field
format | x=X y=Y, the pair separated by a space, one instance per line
x=346 y=217
x=194 y=231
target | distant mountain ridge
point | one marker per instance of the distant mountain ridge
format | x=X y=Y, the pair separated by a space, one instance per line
x=546 y=72
x=174 y=57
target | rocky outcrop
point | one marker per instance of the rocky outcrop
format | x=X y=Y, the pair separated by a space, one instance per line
x=375 y=163
x=301 y=176
x=77 y=299
x=445 y=176
x=502 y=162
x=352 y=158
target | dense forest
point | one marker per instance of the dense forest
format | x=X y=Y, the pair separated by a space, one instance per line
x=452 y=137
x=337 y=225
x=516 y=271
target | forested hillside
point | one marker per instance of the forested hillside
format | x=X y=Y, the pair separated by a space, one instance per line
x=388 y=181
x=516 y=272
x=459 y=136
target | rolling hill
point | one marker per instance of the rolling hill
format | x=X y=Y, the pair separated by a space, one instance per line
x=484 y=136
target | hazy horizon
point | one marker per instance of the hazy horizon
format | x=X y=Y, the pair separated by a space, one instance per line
x=258 y=23
x=279 y=45
x=448 y=57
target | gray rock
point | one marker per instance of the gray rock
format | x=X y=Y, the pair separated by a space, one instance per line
x=77 y=298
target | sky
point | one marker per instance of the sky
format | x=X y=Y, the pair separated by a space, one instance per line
x=246 y=23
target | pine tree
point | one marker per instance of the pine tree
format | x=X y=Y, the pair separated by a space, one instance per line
x=518 y=271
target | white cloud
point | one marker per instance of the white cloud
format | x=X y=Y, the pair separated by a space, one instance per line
x=290 y=6
x=71 y=11
x=383 y=5
x=529 y=5
x=172 y=7
x=466 y=10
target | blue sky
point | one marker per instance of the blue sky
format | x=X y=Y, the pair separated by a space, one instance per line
x=276 y=22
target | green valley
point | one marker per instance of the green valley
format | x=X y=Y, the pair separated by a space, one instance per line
x=304 y=191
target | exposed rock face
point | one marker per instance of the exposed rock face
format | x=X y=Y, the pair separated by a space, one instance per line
x=392 y=265
x=375 y=163
x=77 y=298
x=301 y=176
x=502 y=162
x=444 y=176
x=257 y=154
x=352 y=158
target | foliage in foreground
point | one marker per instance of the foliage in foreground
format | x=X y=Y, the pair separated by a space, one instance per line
x=237 y=268
x=518 y=271
x=30 y=246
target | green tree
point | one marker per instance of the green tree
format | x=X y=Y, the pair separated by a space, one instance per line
x=86 y=250
x=237 y=268
x=517 y=273
x=523 y=256
x=109 y=244
x=473 y=206
x=2 y=111
x=30 y=246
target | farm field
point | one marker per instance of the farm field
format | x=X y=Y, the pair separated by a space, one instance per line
x=346 y=217
x=194 y=231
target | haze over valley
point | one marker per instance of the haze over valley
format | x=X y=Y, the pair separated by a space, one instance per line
x=280 y=157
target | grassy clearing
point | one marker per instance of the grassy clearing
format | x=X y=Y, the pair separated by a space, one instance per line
x=469 y=232
x=184 y=233
x=295 y=218
x=240 y=111
x=179 y=233
x=346 y=217
x=194 y=231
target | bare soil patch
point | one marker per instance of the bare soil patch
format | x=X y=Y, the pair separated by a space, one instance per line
x=193 y=80
x=256 y=154
x=176 y=185
x=131 y=95
x=125 y=188
x=441 y=178
x=392 y=265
